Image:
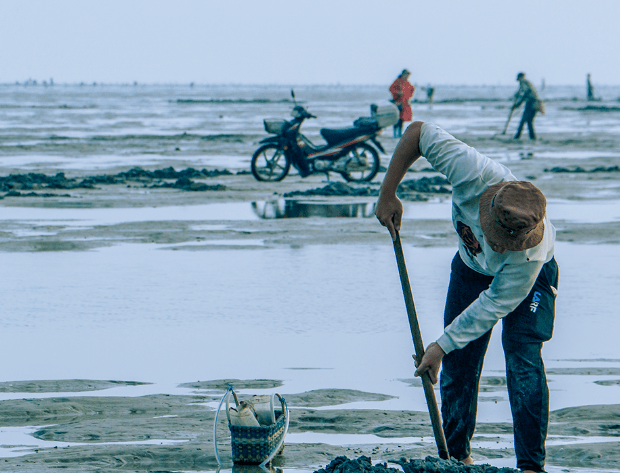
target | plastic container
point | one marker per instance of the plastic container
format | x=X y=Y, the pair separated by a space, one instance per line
x=386 y=114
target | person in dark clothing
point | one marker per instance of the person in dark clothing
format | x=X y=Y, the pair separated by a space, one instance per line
x=430 y=91
x=590 y=89
x=527 y=94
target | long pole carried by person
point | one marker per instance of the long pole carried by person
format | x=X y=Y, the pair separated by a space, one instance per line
x=512 y=109
x=429 y=392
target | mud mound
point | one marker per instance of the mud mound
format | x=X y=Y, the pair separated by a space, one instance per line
x=436 y=465
x=14 y=183
x=362 y=465
x=594 y=108
x=578 y=169
x=32 y=194
x=429 y=185
x=187 y=184
x=429 y=465
x=408 y=190
x=338 y=189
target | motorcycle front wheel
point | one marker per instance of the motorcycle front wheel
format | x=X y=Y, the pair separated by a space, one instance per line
x=362 y=163
x=269 y=163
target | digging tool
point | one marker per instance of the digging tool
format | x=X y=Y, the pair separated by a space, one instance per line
x=508 y=121
x=440 y=438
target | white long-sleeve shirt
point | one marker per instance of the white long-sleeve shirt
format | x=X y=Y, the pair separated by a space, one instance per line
x=514 y=272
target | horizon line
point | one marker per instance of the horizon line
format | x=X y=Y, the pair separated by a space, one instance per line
x=45 y=82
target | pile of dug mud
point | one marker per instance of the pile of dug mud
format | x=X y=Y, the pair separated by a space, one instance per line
x=408 y=190
x=579 y=169
x=13 y=184
x=364 y=464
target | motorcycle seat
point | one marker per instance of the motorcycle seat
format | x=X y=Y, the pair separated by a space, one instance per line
x=333 y=136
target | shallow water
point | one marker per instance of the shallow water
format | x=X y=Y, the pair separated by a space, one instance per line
x=136 y=312
x=31 y=221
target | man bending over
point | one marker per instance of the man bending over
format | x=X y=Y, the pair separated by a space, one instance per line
x=504 y=269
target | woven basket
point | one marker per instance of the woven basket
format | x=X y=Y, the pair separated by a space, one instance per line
x=253 y=445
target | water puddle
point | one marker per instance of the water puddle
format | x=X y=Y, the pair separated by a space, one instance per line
x=35 y=218
x=285 y=208
x=282 y=208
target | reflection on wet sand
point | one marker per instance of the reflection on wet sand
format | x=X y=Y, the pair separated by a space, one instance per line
x=239 y=468
x=284 y=208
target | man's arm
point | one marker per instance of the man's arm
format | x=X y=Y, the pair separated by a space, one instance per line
x=519 y=97
x=389 y=208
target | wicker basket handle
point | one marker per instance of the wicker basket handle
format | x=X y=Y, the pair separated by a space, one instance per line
x=286 y=415
x=217 y=413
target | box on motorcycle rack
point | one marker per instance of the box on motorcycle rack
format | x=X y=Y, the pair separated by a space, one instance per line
x=386 y=114
x=273 y=125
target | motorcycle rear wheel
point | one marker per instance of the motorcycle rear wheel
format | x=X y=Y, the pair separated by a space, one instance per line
x=363 y=163
x=269 y=163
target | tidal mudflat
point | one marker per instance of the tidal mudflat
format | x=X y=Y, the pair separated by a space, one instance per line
x=127 y=307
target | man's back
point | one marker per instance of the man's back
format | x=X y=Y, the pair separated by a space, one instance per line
x=526 y=93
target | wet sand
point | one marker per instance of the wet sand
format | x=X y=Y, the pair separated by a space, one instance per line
x=243 y=190
x=98 y=433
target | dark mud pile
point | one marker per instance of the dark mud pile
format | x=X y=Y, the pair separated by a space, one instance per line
x=14 y=184
x=364 y=464
x=594 y=108
x=337 y=189
x=428 y=185
x=187 y=184
x=579 y=169
x=407 y=190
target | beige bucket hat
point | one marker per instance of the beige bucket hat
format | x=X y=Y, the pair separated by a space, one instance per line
x=512 y=215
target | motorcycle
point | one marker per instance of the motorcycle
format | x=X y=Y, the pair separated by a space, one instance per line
x=346 y=151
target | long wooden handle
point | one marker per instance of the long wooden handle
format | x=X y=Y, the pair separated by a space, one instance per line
x=429 y=392
x=508 y=121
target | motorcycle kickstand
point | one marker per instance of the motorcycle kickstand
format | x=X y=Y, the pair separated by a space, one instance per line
x=327 y=174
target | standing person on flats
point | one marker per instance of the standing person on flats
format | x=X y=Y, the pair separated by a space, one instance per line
x=527 y=94
x=589 y=89
x=402 y=91
x=504 y=269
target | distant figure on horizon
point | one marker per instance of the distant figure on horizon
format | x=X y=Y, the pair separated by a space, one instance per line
x=430 y=91
x=527 y=94
x=402 y=91
x=590 y=88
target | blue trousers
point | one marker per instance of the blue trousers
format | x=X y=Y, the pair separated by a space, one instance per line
x=523 y=332
x=529 y=113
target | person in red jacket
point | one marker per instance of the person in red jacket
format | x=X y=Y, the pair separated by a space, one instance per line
x=402 y=91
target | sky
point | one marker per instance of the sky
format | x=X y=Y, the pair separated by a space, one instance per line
x=309 y=41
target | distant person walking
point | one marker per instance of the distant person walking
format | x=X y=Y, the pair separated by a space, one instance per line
x=402 y=91
x=590 y=88
x=430 y=91
x=527 y=94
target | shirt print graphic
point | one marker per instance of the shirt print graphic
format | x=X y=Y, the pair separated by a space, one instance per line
x=468 y=238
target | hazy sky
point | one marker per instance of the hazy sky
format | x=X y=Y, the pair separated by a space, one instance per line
x=313 y=41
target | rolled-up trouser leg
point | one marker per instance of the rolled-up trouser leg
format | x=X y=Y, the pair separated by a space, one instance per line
x=460 y=373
